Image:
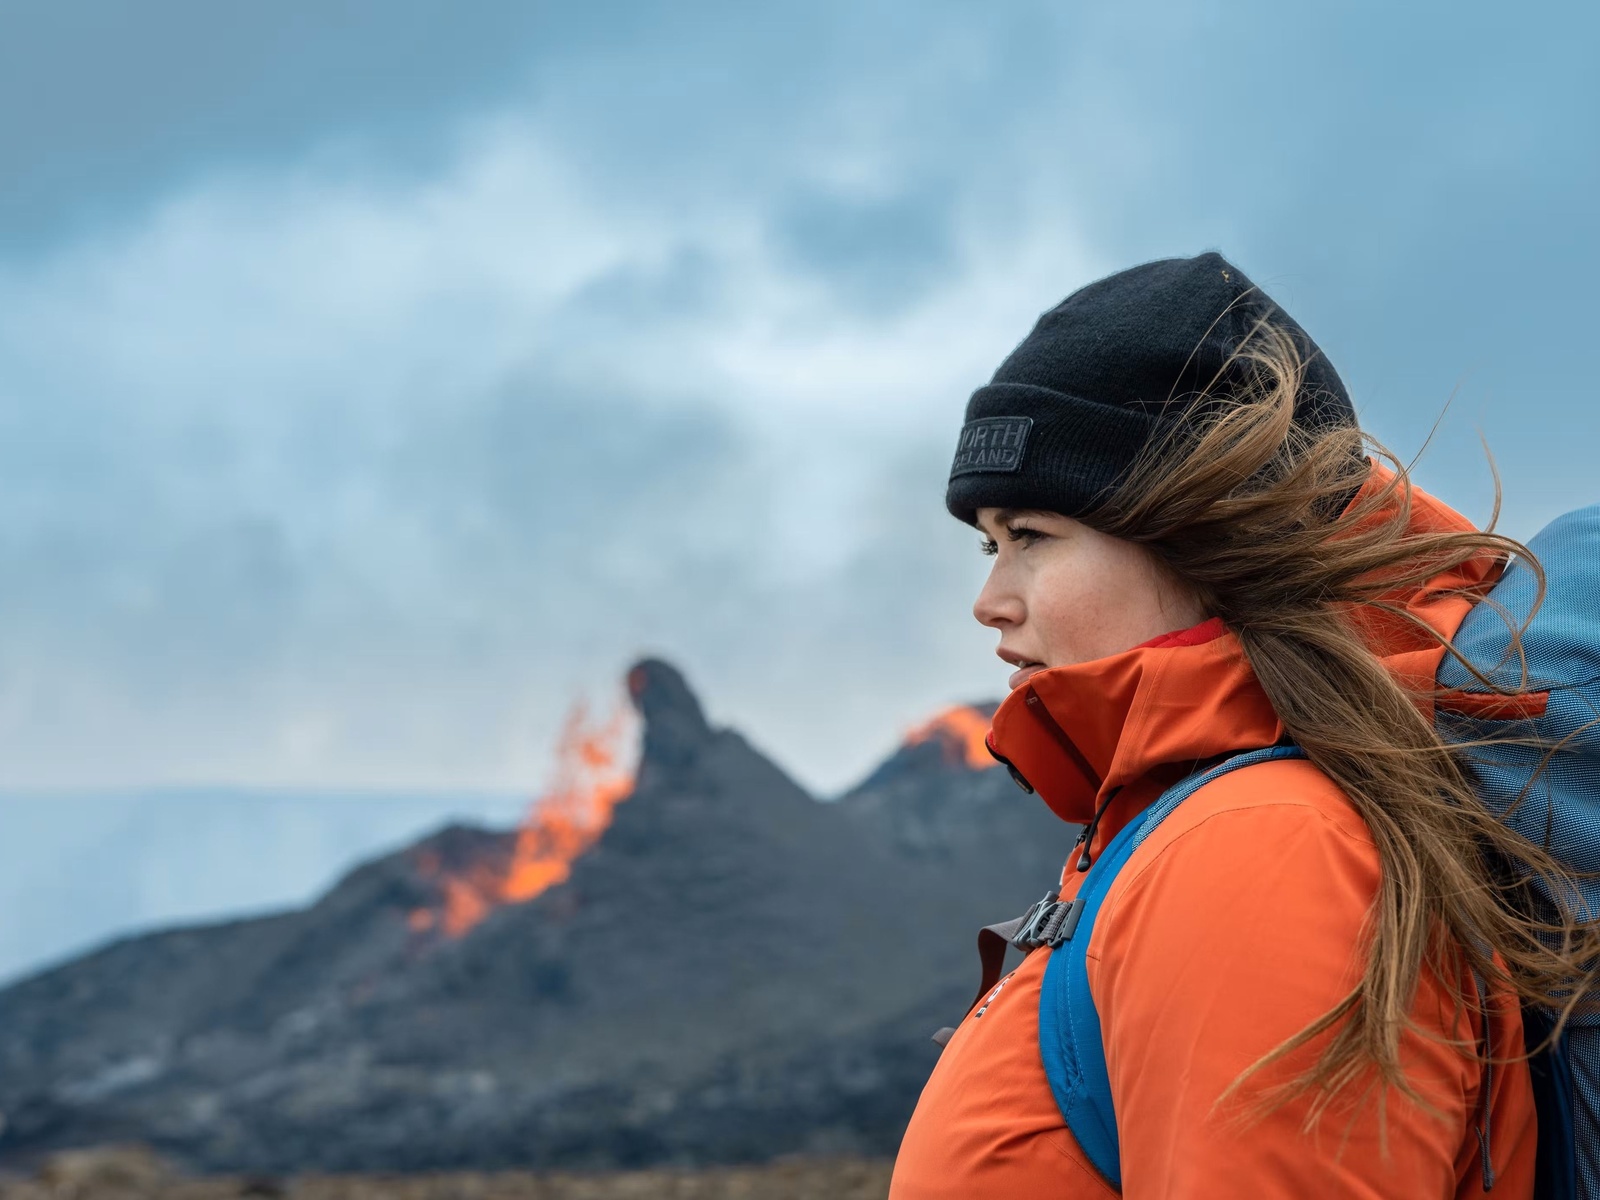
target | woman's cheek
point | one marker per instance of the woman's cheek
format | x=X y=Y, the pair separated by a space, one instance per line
x=1071 y=626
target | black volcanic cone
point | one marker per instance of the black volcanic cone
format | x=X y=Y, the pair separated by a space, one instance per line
x=735 y=970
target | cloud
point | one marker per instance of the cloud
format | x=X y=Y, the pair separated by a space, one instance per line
x=320 y=480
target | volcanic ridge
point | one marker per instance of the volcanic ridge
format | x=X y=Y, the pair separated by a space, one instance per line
x=696 y=962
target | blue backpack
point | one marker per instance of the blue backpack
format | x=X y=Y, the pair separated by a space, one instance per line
x=1562 y=810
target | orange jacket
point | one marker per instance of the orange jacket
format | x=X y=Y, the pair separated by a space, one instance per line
x=1235 y=925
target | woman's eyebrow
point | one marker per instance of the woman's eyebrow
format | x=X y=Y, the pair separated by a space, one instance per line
x=1004 y=518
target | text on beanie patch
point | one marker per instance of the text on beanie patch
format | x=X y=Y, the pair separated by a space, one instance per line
x=991 y=444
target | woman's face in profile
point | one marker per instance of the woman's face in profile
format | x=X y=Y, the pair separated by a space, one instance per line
x=1062 y=593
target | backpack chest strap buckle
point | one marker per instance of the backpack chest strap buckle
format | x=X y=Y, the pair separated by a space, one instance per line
x=1049 y=922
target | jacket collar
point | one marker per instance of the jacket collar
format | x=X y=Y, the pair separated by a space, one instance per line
x=1081 y=734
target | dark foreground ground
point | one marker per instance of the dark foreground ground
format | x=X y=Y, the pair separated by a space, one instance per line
x=132 y=1173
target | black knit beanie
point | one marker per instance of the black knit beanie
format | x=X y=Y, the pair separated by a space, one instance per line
x=1108 y=370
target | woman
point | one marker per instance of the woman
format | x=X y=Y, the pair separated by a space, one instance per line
x=1307 y=984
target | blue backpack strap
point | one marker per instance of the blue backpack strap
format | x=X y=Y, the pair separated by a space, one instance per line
x=1556 y=1162
x=1069 y=1027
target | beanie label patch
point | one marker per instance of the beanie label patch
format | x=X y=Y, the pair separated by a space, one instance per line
x=991 y=444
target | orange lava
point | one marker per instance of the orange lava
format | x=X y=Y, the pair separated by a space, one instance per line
x=962 y=731
x=591 y=778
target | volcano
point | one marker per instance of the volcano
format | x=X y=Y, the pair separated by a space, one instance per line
x=722 y=968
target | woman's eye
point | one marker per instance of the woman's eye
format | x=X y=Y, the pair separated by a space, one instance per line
x=988 y=546
x=1021 y=533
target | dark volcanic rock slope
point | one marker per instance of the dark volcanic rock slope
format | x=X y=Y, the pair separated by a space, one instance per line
x=736 y=970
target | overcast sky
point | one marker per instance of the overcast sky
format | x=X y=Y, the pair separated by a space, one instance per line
x=375 y=377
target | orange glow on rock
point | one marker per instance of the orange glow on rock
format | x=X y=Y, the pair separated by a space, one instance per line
x=591 y=778
x=962 y=731
x=422 y=919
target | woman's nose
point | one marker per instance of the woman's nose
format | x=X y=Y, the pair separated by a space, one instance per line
x=997 y=605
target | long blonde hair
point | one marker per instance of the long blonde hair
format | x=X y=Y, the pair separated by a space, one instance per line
x=1240 y=507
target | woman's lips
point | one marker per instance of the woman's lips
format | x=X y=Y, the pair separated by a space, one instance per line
x=1022 y=674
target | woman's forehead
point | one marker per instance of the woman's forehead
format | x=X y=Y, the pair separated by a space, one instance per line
x=1002 y=517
